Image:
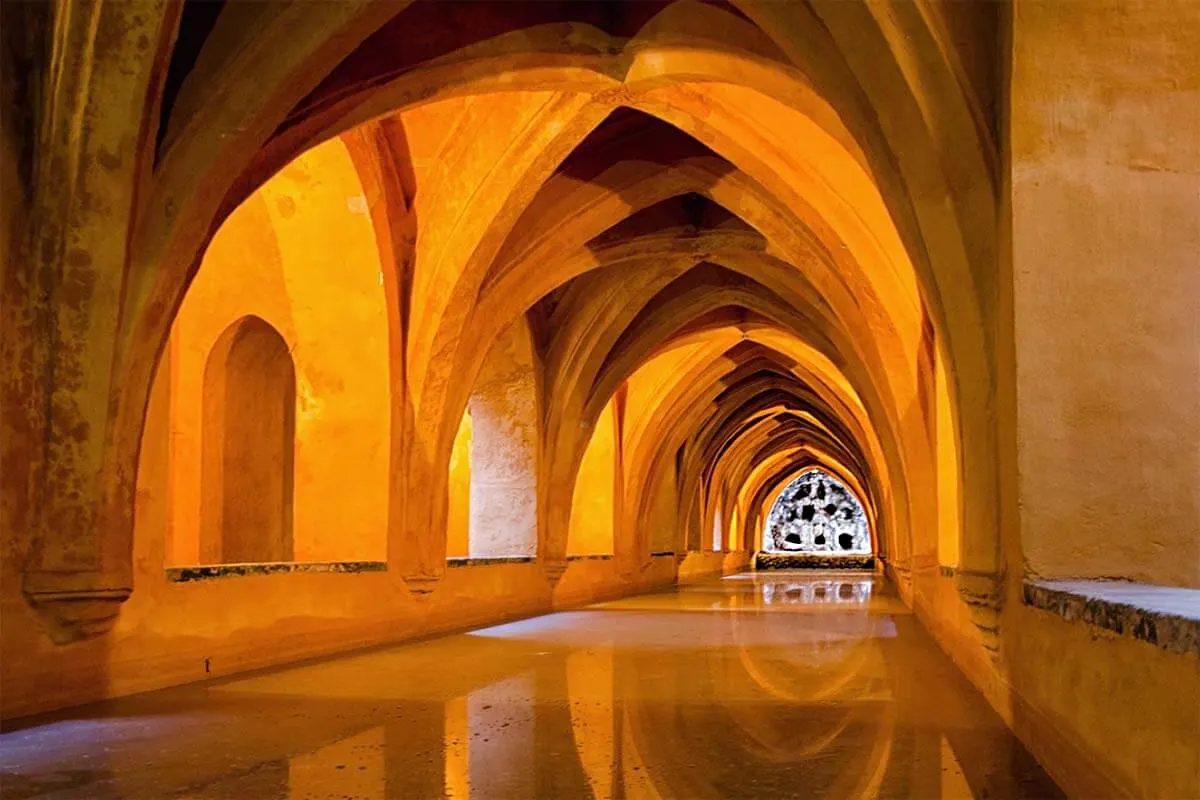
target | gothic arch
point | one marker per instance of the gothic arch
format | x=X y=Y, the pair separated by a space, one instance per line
x=816 y=513
x=248 y=446
x=902 y=127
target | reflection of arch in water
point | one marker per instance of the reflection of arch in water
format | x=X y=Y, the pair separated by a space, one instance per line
x=844 y=591
x=835 y=662
x=664 y=740
x=590 y=688
x=834 y=674
x=829 y=699
x=817 y=513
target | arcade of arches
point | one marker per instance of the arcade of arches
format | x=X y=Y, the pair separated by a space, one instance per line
x=336 y=324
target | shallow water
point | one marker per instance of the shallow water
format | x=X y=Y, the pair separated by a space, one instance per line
x=768 y=685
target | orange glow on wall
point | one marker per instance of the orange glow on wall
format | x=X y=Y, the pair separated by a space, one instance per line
x=593 y=503
x=949 y=521
x=248 y=448
x=943 y=251
x=459 y=513
x=273 y=258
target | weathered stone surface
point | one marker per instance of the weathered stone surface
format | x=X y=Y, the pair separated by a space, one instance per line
x=1164 y=616
x=812 y=561
x=216 y=571
x=483 y=561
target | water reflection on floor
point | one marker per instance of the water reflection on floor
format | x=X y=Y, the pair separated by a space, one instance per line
x=757 y=686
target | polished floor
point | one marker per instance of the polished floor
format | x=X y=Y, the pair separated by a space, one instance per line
x=756 y=686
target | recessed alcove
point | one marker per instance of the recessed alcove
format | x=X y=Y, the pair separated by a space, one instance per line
x=247 y=449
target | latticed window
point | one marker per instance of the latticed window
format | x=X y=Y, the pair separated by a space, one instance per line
x=817 y=513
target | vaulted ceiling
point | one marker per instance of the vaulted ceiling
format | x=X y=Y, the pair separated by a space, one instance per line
x=776 y=219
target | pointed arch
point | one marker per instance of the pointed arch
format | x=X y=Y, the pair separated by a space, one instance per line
x=817 y=513
x=249 y=433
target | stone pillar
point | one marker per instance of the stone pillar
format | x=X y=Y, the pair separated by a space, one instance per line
x=77 y=369
x=504 y=449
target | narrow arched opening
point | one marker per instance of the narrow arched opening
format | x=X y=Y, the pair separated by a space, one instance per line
x=718 y=532
x=592 y=529
x=248 y=446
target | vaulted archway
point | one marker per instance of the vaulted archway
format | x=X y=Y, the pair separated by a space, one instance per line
x=571 y=293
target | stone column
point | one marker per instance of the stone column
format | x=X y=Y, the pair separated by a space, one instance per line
x=504 y=449
x=75 y=471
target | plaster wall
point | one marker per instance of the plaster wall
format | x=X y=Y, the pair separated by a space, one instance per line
x=1079 y=697
x=336 y=331
x=948 y=480
x=1106 y=230
x=663 y=520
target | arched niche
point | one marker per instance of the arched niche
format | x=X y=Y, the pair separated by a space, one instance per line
x=816 y=513
x=248 y=445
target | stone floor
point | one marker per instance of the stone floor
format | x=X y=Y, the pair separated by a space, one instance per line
x=768 y=686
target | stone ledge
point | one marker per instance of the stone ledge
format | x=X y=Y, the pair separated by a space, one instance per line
x=208 y=572
x=485 y=561
x=1165 y=616
x=810 y=561
x=590 y=558
x=663 y=554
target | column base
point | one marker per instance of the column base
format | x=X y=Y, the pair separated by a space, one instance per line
x=983 y=592
x=422 y=586
x=70 y=612
x=555 y=569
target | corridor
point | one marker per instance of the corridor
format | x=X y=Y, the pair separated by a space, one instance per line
x=758 y=685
